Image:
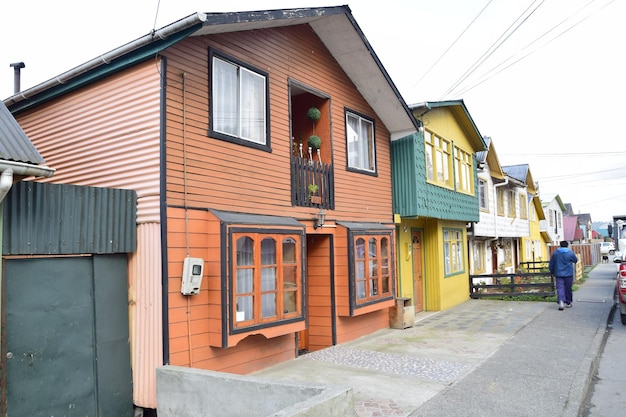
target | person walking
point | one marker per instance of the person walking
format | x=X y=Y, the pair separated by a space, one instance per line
x=561 y=267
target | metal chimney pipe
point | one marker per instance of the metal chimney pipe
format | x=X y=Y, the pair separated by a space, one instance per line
x=17 y=66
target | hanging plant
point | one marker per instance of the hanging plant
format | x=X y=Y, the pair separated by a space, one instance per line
x=314 y=114
x=314 y=142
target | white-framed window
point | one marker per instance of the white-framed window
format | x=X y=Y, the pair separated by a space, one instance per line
x=453 y=251
x=483 y=199
x=239 y=102
x=464 y=177
x=360 y=142
x=438 y=153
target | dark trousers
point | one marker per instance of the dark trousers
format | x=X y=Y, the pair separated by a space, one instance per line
x=564 y=289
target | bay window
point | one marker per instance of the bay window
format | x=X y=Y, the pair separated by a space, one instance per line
x=267 y=285
x=372 y=266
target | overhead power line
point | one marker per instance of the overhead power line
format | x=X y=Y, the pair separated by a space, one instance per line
x=451 y=45
x=522 y=18
x=509 y=62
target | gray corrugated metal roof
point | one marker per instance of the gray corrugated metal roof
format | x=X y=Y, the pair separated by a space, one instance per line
x=518 y=172
x=14 y=144
x=335 y=26
x=258 y=219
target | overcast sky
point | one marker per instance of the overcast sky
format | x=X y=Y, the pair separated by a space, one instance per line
x=544 y=79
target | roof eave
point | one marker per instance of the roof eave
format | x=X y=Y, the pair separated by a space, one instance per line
x=335 y=26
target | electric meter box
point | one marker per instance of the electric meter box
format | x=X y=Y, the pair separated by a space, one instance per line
x=192 y=276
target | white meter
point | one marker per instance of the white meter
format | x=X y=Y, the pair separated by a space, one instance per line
x=192 y=276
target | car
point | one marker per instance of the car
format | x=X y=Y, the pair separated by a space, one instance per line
x=607 y=248
x=620 y=291
x=617 y=257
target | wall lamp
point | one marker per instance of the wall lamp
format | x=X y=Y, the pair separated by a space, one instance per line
x=319 y=219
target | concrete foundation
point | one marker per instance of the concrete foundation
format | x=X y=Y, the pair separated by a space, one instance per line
x=189 y=392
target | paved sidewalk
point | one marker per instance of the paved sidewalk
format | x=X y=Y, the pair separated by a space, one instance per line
x=481 y=358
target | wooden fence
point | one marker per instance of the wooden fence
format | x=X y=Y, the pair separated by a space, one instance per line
x=512 y=285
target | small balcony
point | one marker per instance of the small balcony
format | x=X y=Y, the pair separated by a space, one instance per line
x=312 y=183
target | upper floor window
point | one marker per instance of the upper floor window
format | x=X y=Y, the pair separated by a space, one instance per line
x=523 y=207
x=360 y=142
x=438 y=152
x=238 y=102
x=464 y=177
x=482 y=195
x=511 y=202
x=372 y=267
x=500 y=197
x=453 y=251
x=267 y=278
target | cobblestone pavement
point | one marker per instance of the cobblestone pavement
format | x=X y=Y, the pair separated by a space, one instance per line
x=392 y=371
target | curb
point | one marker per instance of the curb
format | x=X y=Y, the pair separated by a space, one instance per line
x=580 y=389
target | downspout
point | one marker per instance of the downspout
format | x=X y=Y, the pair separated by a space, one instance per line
x=6 y=182
x=495 y=214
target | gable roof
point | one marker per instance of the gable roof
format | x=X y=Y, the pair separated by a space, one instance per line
x=461 y=114
x=556 y=198
x=490 y=156
x=335 y=26
x=541 y=215
x=521 y=172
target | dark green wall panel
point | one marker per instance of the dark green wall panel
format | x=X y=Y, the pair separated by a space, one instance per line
x=62 y=219
x=413 y=196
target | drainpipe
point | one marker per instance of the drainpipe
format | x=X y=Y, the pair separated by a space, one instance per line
x=495 y=214
x=6 y=182
x=9 y=168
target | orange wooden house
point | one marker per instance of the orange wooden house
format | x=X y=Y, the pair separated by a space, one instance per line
x=256 y=242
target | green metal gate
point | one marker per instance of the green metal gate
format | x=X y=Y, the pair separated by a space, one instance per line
x=66 y=337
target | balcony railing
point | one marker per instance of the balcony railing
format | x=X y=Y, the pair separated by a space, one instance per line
x=312 y=183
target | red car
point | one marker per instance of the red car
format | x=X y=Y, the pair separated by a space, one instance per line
x=620 y=291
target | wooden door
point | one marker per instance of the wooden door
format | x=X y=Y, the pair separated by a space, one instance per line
x=418 y=283
x=320 y=307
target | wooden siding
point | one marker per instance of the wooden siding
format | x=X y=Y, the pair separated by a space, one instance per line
x=350 y=328
x=195 y=322
x=106 y=135
x=234 y=177
x=319 y=294
x=414 y=196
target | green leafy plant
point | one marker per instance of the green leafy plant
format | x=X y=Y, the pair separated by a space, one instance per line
x=312 y=189
x=314 y=142
x=314 y=114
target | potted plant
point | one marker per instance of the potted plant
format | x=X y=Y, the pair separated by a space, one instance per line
x=315 y=199
x=314 y=114
x=314 y=142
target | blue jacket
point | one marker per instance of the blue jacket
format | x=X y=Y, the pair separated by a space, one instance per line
x=562 y=262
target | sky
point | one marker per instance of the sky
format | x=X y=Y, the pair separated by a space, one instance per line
x=543 y=78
